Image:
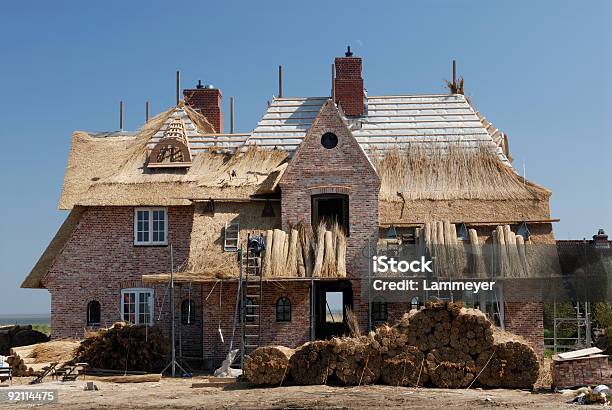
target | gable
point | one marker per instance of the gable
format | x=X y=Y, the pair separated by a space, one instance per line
x=342 y=159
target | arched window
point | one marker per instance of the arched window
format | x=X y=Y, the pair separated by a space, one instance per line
x=93 y=313
x=283 y=310
x=415 y=303
x=188 y=312
x=379 y=310
x=249 y=310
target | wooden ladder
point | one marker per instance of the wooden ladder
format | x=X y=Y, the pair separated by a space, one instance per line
x=231 y=238
x=251 y=302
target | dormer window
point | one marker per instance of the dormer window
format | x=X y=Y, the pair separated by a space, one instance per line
x=172 y=150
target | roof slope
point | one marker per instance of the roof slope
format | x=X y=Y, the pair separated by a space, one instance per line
x=390 y=122
x=109 y=169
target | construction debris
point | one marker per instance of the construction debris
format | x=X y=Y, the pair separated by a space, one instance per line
x=28 y=360
x=580 y=368
x=131 y=378
x=268 y=365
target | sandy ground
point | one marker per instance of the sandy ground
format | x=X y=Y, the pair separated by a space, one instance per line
x=177 y=393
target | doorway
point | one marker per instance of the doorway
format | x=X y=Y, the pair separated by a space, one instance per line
x=332 y=299
x=330 y=208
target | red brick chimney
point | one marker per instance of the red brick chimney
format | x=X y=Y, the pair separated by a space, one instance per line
x=207 y=100
x=348 y=84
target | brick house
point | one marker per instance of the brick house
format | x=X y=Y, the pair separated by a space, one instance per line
x=374 y=163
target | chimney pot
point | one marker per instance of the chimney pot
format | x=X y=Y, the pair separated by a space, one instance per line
x=199 y=86
x=348 y=52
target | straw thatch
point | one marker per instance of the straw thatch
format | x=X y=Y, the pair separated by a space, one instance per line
x=206 y=255
x=450 y=172
x=111 y=170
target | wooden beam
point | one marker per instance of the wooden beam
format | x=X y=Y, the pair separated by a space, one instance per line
x=280 y=81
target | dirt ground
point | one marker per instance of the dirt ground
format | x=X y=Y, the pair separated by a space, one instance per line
x=178 y=393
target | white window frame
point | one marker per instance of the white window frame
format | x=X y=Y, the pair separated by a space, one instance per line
x=150 y=242
x=137 y=292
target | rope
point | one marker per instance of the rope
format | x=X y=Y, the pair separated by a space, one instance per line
x=419 y=378
x=213 y=288
x=485 y=366
x=364 y=369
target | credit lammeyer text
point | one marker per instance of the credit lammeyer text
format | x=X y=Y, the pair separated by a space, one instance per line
x=412 y=284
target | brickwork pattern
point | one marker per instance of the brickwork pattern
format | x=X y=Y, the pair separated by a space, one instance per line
x=343 y=169
x=349 y=85
x=208 y=102
x=100 y=259
x=580 y=372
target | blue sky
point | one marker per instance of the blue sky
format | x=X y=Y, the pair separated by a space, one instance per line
x=540 y=71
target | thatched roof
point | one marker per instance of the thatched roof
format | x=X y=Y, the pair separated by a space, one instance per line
x=47 y=259
x=110 y=169
x=430 y=147
x=450 y=172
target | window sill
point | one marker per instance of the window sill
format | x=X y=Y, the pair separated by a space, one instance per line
x=150 y=245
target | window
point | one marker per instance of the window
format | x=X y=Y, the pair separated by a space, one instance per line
x=415 y=303
x=283 y=310
x=329 y=140
x=379 y=310
x=93 y=313
x=137 y=306
x=150 y=226
x=250 y=310
x=188 y=312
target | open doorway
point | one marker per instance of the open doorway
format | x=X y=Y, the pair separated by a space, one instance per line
x=332 y=300
x=331 y=208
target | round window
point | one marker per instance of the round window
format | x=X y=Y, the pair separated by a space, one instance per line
x=329 y=140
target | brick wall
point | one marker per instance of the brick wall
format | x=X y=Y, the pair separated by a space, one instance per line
x=100 y=259
x=344 y=169
x=219 y=302
x=349 y=85
x=587 y=371
x=208 y=102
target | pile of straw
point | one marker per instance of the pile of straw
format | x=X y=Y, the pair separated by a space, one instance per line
x=302 y=253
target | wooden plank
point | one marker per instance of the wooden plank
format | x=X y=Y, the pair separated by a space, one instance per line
x=214 y=382
x=580 y=353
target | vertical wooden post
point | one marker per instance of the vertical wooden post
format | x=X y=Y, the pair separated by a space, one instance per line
x=280 y=81
x=454 y=73
x=121 y=115
x=147 y=111
x=231 y=115
x=178 y=86
x=333 y=79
